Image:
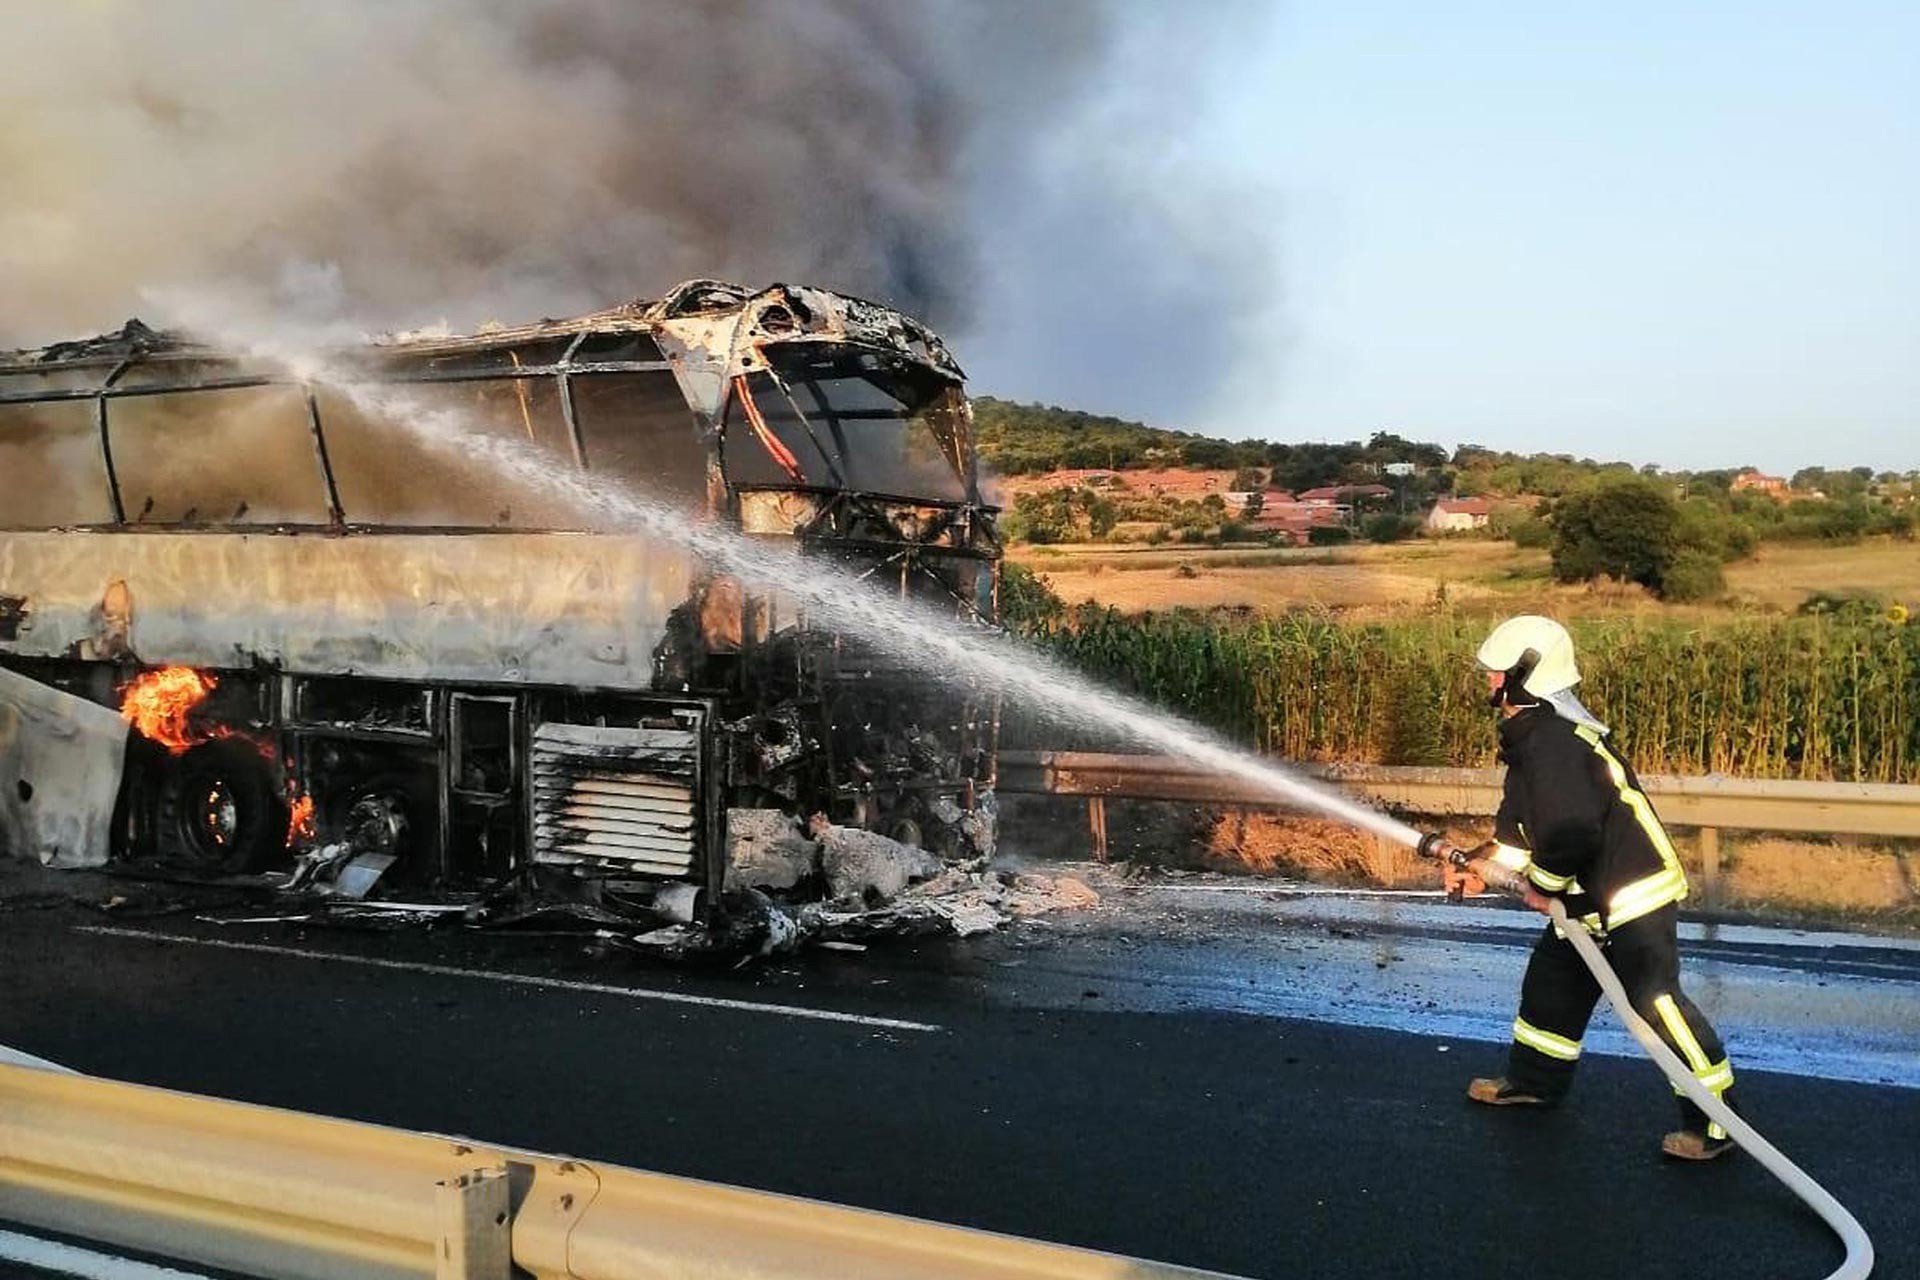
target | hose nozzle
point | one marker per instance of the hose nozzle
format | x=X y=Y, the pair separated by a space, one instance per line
x=1434 y=845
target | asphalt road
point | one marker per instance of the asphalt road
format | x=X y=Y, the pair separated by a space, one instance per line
x=1205 y=1098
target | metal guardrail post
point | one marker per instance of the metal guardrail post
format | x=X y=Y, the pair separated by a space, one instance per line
x=1710 y=866
x=1097 y=823
x=474 y=1212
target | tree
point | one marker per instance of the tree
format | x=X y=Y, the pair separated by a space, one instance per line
x=1623 y=526
x=1041 y=518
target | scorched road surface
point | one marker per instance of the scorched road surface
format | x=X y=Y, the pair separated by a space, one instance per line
x=1063 y=1082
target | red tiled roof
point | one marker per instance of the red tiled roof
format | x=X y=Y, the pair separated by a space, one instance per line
x=1465 y=506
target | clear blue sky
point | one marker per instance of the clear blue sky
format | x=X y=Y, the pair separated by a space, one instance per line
x=1681 y=234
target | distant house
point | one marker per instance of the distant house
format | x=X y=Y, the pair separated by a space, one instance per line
x=1344 y=494
x=1293 y=522
x=1756 y=482
x=1455 y=515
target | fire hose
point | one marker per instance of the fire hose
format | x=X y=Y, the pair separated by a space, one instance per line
x=1858 y=1262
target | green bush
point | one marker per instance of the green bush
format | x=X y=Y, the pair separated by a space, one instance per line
x=1027 y=601
x=1388 y=527
x=1849 y=604
x=1693 y=577
x=1713 y=530
x=1102 y=515
x=1329 y=535
x=1533 y=533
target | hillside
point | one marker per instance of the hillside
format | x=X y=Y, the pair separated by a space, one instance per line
x=1029 y=439
x=1023 y=439
x=1032 y=439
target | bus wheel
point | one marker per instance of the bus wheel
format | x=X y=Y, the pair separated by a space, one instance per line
x=223 y=812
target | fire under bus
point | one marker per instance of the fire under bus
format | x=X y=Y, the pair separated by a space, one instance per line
x=329 y=635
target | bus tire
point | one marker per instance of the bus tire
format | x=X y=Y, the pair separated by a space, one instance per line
x=221 y=812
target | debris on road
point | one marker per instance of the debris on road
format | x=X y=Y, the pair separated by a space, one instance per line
x=766 y=850
x=867 y=865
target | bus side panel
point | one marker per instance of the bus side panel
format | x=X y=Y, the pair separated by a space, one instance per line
x=540 y=608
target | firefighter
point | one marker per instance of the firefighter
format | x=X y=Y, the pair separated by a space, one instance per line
x=1574 y=821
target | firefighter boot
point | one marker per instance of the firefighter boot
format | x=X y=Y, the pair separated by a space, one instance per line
x=1501 y=1092
x=1698 y=1139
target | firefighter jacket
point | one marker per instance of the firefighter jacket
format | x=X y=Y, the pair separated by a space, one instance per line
x=1574 y=820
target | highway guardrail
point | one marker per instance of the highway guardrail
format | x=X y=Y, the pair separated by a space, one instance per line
x=1710 y=803
x=266 y=1192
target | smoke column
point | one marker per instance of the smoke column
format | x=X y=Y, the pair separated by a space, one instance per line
x=388 y=163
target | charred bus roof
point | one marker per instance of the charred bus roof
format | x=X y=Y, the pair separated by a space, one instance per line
x=783 y=391
x=725 y=321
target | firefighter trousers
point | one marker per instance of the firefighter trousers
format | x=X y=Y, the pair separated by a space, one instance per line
x=1559 y=993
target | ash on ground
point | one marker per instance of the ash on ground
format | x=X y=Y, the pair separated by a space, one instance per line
x=786 y=889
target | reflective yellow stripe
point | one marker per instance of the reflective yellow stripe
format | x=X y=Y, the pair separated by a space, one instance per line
x=1682 y=1034
x=1545 y=1041
x=1715 y=1132
x=1512 y=859
x=1590 y=922
x=1644 y=896
x=1719 y=1079
x=1643 y=813
x=1715 y=1080
x=1546 y=879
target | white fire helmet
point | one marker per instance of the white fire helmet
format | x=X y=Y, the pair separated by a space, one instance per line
x=1536 y=654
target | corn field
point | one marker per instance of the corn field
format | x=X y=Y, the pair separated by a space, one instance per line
x=1816 y=697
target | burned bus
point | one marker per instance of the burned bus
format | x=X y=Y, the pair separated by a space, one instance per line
x=327 y=634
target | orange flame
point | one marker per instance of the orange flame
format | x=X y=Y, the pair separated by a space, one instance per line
x=160 y=705
x=301 y=828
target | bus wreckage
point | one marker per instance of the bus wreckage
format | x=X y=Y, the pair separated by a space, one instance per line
x=252 y=630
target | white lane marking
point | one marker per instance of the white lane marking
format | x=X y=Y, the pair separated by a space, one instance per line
x=71 y=1260
x=518 y=979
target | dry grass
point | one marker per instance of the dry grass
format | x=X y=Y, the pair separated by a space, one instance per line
x=1765 y=876
x=1795 y=873
x=1356 y=578
x=1783 y=575
x=1314 y=849
x=1380 y=581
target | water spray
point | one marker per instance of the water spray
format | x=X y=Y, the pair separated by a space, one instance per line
x=947 y=649
x=917 y=634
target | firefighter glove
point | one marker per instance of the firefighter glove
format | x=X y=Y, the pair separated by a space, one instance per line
x=1460 y=882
